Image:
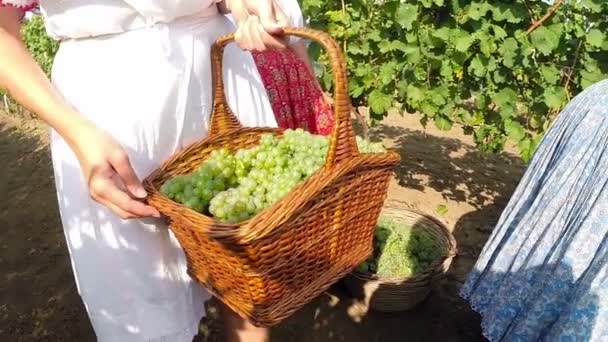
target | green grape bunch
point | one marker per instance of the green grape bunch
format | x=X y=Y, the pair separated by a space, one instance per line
x=233 y=187
x=400 y=251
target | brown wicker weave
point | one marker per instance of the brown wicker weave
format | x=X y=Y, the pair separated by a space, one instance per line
x=400 y=294
x=271 y=265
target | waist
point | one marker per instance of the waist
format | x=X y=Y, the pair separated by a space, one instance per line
x=85 y=23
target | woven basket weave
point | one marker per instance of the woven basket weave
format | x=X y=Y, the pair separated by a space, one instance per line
x=271 y=265
x=400 y=294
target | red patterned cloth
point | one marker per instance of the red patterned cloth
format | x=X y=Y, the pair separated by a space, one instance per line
x=295 y=95
x=24 y=5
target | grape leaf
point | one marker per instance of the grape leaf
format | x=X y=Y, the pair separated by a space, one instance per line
x=478 y=66
x=399 y=45
x=512 y=13
x=506 y=100
x=414 y=94
x=596 y=38
x=406 y=15
x=550 y=73
x=442 y=33
x=554 y=97
x=380 y=102
x=544 y=40
x=478 y=10
x=508 y=50
x=443 y=122
x=515 y=130
x=593 y=5
x=526 y=149
x=463 y=40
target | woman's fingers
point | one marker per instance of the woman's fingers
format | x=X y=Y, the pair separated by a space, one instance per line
x=260 y=24
x=122 y=165
x=105 y=189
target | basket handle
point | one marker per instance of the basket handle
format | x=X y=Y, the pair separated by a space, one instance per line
x=342 y=144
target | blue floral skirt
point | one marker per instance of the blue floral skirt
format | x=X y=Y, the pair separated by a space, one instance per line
x=543 y=274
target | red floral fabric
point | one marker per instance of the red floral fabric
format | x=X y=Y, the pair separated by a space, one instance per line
x=295 y=95
x=24 y=5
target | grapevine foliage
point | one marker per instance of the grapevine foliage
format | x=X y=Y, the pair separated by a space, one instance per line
x=42 y=47
x=468 y=62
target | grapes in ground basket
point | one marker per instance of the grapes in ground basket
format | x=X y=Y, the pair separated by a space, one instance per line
x=400 y=251
x=235 y=187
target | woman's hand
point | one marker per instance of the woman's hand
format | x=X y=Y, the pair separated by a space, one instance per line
x=109 y=175
x=259 y=22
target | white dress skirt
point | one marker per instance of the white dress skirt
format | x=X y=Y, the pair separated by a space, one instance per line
x=150 y=88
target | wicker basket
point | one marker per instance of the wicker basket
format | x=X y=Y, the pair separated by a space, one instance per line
x=271 y=265
x=400 y=294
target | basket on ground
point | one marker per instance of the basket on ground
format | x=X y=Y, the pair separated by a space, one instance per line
x=400 y=294
x=269 y=266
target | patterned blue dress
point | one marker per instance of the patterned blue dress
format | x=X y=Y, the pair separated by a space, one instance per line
x=543 y=274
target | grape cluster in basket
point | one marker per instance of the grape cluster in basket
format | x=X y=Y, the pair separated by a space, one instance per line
x=400 y=251
x=235 y=187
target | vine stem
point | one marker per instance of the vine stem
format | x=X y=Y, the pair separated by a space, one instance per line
x=571 y=71
x=532 y=19
x=549 y=13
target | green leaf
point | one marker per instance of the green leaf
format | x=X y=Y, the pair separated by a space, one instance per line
x=508 y=49
x=512 y=13
x=406 y=15
x=506 y=100
x=446 y=68
x=387 y=72
x=593 y=5
x=487 y=45
x=478 y=10
x=379 y=102
x=499 y=32
x=481 y=101
x=515 y=130
x=544 y=40
x=555 y=97
x=414 y=55
x=442 y=33
x=550 y=73
x=436 y=97
x=399 y=45
x=385 y=46
x=374 y=36
x=588 y=79
x=478 y=66
x=463 y=40
x=414 y=94
x=358 y=49
x=428 y=108
x=596 y=38
x=443 y=122
x=526 y=149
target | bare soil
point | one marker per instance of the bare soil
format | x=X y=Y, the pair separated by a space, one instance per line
x=440 y=170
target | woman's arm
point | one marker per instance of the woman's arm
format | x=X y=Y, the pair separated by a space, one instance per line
x=103 y=161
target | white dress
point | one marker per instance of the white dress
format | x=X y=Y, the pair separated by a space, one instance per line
x=139 y=69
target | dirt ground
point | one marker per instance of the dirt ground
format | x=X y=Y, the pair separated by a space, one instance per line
x=38 y=297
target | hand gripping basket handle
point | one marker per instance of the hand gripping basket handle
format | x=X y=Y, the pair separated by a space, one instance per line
x=342 y=144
